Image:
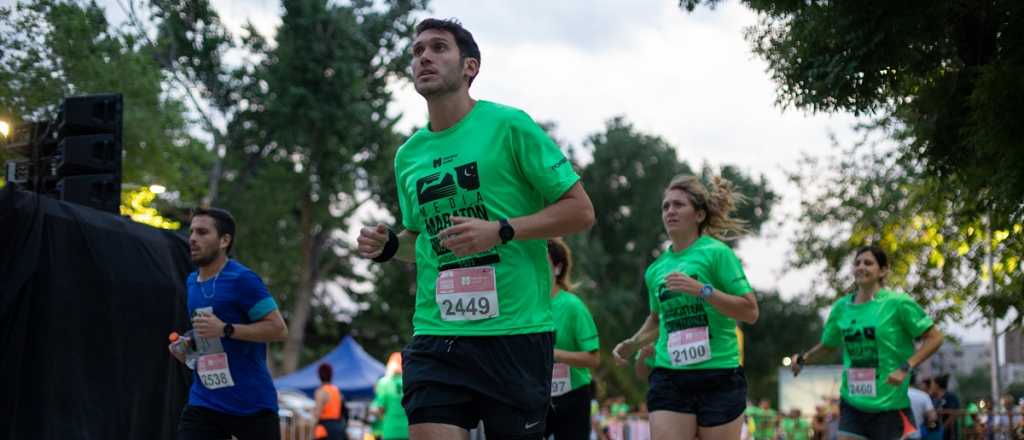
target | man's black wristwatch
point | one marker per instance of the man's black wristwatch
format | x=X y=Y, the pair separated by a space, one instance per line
x=506 y=232
x=905 y=366
x=228 y=330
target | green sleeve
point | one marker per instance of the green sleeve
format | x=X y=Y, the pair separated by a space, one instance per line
x=913 y=318
x=540 y=159
x=831 y=337
x=652 y=293
x=405 y=204
x=586 y=330
x=728 y=274
x=378 y=397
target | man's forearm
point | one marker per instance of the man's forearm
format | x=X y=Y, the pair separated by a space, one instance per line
x=568 y=215
x=262 y=331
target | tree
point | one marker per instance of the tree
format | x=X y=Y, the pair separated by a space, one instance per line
x=783 y=328
x=946 y=74
x=625 y=182
x=975 y=385
x=295 y=181
x=938 y=247
x=50 y=49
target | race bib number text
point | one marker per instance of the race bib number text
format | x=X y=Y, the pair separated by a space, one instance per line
x=467 y=294
x=689 y=346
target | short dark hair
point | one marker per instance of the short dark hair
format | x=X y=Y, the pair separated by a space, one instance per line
x=463 y=39
x=222 y=220
x=883 y=260
x=942 y=381
x=325 y=371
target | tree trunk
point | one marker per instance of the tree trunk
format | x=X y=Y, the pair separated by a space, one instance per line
x=299 y=314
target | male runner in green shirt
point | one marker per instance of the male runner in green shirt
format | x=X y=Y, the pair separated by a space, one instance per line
x=480 y=189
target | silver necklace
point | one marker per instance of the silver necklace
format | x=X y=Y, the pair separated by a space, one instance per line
x=202 y=288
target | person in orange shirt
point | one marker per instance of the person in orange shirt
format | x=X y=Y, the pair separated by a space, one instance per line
x=330 y=406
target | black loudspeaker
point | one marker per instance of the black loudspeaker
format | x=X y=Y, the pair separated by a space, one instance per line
x=100 y=191
x=77 y=157
x=86 y=162
x=90 y=114
x=99 y=153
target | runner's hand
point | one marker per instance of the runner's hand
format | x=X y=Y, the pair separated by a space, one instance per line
x=372 y=240
x=179 y=356
x=795 y=366
x=646 y=352
x=468 y=236
x=208 y=325
x=896 y=377
x=624 y=351
x=678 y=282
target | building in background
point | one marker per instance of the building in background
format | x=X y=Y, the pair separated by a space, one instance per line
x=1013 y=370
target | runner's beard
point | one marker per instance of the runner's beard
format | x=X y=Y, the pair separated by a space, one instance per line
x=203 y=260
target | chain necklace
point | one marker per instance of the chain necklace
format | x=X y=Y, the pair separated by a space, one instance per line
x=202 y=288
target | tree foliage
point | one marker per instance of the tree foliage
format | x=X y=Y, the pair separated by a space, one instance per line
x=938 y=247
x=949 y=74
x=307 y=122
x=51 y=49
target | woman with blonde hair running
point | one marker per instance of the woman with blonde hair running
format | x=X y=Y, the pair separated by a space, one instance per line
x=697 y=290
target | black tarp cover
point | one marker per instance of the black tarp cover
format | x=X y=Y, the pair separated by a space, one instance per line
x=86 y=302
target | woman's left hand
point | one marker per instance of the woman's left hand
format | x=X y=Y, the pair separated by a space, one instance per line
x=679 y=282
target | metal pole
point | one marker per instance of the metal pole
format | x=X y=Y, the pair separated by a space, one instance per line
x=992 y=320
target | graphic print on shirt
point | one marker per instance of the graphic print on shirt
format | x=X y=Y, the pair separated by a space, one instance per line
x=686 y=322
x=681 y=311
x=452 y=190
x=860 y=344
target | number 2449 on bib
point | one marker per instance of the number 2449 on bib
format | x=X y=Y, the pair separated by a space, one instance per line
x=467 y=294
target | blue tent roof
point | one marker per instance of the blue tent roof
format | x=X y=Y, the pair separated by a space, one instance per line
x=355 y=372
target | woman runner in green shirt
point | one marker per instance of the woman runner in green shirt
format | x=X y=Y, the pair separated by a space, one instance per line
x=876 y=328
x=576 y=346
x=697 y=291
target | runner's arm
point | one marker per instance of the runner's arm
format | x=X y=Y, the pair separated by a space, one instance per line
x=571 y=213
x=932 y=340
x=807 y=357
x=648 y=333
x=640 y=367
x=321 y=401
x=741 y=308
x=578 y=359
x=269 y=329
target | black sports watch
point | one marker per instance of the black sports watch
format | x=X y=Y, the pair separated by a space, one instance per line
x=506 y=232
x=228 y=330
x=905 y=366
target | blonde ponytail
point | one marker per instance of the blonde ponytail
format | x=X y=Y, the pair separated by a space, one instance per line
x=718 y=203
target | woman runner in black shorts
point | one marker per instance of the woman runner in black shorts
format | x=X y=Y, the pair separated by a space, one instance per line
x=876 y=328
x=697 y=290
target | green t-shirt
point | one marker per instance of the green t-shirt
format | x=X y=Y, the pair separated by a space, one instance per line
x=796 y=429
x=878 y=334
x=495 y=163
x=619 y=409
x=574 y=331
x=969 y=413
x=709 y=261
x=764 y=422
x=394 y=424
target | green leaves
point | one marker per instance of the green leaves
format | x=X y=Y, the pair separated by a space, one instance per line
x=948 y=72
